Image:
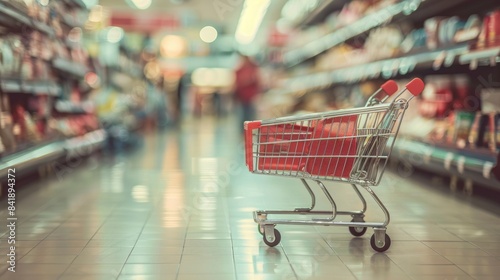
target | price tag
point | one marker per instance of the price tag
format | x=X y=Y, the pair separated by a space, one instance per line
x=438 y=62
x=487 y=169
x=395 y=67
x=450 y=58
x=461 y=164
x=447 y=161
x=473 y=64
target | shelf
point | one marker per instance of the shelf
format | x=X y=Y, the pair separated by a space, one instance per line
x=74 y=68
x=321 y=12
x=30 y=87
x=86 y=144
x=32 y=158
x=18 y=18
x=76 y=3
x=69 y=107
x=343 y=34
x=388 y=68
x=70 y=22
x=490 y=56
x=475 y=164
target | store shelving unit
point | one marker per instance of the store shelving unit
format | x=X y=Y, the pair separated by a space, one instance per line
x=30 y=159
x=77 y=70
x=472 y=164
x=40 y=87
x=321 y=12
x=65 y=76
x=387 y=68
x=318 y=46
x=10 y=17
x=76 y=3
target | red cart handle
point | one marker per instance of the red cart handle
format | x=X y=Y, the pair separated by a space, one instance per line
x=389 y=87
x=415 y=86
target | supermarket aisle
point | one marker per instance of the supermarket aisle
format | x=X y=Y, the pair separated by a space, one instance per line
x=180 y=208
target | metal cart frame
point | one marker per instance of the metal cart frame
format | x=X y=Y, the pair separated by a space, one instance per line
x=358 y=141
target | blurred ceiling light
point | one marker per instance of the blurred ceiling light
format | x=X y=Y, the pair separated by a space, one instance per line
x=212 y=77
x=295 y=10
x=208 y=34
x=250 y=19
x=114 y=35
x=173 y=46
x=140 y=4
x=43 y=2
x=96 y=14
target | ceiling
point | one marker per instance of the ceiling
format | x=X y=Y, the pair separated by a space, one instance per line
x=223 y=14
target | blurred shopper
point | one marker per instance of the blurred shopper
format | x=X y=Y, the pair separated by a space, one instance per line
x=247 y=87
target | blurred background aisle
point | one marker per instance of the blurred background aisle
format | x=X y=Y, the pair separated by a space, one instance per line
x=123 y=122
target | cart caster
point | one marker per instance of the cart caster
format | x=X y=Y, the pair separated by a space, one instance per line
x=357 y=231
x=260 y=229
x=380 y=247
x=272 y=241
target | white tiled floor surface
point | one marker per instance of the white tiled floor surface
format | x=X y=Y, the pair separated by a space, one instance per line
x=181 y=208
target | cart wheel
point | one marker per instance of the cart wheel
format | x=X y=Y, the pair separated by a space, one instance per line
x=276 y=241
x=357 y=231
x=260 y=229
x=383 y=248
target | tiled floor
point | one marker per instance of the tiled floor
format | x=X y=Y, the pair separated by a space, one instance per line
x=180 y=207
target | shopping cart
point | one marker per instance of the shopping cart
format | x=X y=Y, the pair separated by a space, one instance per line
x=349 y=146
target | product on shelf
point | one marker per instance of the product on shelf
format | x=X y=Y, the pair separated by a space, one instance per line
x=437 y=97
x=471 y=30
x=25 y=128
x=490 y=108
x=12 y=51
x=494 y=28
x=460 y=129
x=6 y=126
x=497 y=130
x=383 y=42
x=490 y=100
x=462 y=99
x=442 y=31
x=416 y=39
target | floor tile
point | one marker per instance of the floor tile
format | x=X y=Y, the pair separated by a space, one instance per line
x=150 y=269
x=196 y=264
x=147 y=277
x=154 y=259
x=177 y=250
x=427 y=269
x=49 y=259
x=479 y=271
x=206 y=276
